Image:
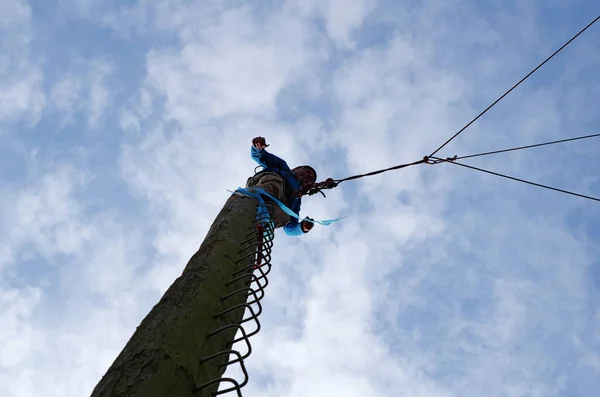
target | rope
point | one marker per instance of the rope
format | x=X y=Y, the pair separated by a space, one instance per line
x=332 y=183
x=522 y=147
x=520 y=180
x=397 y=167
x=515 y=86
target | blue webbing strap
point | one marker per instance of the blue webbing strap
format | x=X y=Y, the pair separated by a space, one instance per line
x=259 y=192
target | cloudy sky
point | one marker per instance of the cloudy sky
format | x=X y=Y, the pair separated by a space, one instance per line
x=123 y=124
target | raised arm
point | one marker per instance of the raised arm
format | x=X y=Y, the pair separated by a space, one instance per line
x=264 y=158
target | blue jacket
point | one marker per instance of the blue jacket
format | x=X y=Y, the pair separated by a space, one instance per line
x=270 y=162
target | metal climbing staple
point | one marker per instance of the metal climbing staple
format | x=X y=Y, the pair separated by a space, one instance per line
x=255 y=266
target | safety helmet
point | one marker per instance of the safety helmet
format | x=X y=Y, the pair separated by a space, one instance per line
x=305 y=174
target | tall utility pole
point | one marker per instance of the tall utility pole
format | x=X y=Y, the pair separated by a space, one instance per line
x=182 y=347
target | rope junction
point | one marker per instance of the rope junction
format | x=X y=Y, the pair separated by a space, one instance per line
x=255 y=254
x=432 y=160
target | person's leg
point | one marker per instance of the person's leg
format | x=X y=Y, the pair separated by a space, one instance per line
x=273 y=184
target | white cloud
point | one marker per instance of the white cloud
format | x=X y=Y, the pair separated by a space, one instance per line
x=218 y=73
x=43 y=215
x=85 y=277
x=15 y=13
x=438 y=283
x=84 y=90
x=395 y=103
x=19 y=336
x=99 y=93
x=21 y=94
x=343 y=17
x=65 y=97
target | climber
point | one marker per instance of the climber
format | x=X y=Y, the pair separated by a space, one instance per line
x=281 y=182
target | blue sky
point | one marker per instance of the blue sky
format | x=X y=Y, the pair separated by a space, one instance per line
x=124 y=124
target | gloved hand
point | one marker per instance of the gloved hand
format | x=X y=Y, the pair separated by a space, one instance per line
x=307 y=226
x=259 y=142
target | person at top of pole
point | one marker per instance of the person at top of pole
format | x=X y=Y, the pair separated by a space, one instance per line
x=282 y=182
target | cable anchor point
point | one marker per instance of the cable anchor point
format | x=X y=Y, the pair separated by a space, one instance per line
x=436 y=160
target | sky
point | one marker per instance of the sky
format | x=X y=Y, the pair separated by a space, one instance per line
x=124 y=123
